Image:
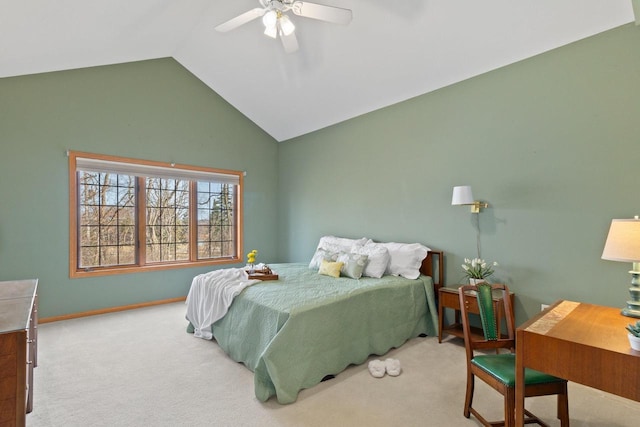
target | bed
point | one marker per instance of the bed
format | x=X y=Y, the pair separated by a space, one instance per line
x=295 y=331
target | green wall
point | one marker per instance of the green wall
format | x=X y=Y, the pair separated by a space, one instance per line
x=552 y=143
x=153 y=110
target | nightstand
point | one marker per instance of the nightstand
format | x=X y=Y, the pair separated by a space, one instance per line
x=448 y=298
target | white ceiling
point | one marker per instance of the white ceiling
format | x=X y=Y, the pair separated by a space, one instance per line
x=392 y=50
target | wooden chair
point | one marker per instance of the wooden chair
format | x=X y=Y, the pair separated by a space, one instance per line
x=498 y=370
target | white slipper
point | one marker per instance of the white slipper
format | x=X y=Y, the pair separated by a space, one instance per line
x=392 y=366
x=377 y=368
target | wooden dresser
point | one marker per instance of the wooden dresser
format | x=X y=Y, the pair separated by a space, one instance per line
x=18 y=349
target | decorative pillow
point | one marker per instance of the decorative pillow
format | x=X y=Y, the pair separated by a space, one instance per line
x=406 y=259
x=330 y=254
x=330 y=246
x=378 y=259
x=353 y=264
x=329 y=268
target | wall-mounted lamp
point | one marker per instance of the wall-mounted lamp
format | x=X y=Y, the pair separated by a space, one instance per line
x=462 y=195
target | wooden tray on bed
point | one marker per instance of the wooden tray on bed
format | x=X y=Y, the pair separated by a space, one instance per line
x=262 y=276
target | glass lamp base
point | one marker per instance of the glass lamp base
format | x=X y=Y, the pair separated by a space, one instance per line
x=631 y=310
x=633 y=305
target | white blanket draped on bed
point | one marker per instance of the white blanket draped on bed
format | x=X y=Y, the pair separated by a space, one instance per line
x=211 y=295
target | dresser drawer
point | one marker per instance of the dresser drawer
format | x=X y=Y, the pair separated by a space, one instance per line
x=8 y=366
x=7 y=345
x=7 y=412
x=8 y=385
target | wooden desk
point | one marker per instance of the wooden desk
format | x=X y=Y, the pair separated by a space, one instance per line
x=580 y=342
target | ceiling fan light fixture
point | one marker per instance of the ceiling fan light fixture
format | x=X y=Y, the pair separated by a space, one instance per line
x=277 y=23
x=286 y=25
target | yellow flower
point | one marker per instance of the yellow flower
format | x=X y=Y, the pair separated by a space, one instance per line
x=251 y=256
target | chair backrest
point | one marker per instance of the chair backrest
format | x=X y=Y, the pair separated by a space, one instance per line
x=478 y=299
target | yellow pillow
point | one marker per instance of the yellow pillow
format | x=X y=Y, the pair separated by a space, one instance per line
x=330 y=268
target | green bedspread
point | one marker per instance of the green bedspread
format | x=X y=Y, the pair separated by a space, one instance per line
x=294 y=331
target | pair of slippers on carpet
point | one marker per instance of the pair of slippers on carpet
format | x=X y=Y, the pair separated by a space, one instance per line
x=378 y=368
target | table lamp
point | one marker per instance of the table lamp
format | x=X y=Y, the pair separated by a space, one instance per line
x=623 y=244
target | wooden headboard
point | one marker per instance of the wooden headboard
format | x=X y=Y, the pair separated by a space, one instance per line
x=433 y=265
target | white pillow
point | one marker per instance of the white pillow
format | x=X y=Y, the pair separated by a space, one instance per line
x=343 y=242
x=378 y=259
x=352 y=264
x=406 y=259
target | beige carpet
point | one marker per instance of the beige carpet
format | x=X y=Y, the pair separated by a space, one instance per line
x=140 y=368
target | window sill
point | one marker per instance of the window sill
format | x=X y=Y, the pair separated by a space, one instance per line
x=107 y=271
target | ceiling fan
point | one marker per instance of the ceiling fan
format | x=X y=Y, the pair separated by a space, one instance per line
x=277 y=23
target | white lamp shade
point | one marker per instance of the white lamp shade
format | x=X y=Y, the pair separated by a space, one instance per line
x=623 y=241
x=286 y=25
x=271 y=32
x=269 y=19
x=462 y=195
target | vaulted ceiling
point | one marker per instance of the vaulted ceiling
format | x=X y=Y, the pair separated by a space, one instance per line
x=391 y=51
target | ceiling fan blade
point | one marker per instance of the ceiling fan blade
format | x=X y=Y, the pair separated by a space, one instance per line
x=336 y=15
x=241 y=19
x=290 y=42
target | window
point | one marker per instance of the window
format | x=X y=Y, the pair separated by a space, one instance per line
x=132 y=215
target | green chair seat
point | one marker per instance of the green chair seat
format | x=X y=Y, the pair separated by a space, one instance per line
x=503 y=368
